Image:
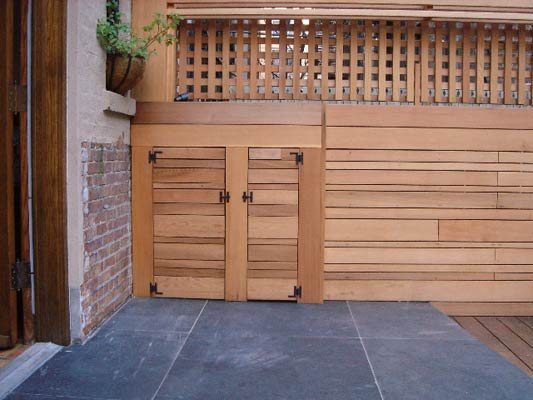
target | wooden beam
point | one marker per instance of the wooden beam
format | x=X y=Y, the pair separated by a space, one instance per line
x=226 y=135
x=353 y=13
x=49 y=177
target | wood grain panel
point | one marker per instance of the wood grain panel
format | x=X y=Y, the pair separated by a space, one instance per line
x=236 y=226
x=201 y=226
x=225 y=135
x=273 y=227
x=190 y=288
x=486 y=231
x=49 y=76
x=429 y=139
x=372 y=230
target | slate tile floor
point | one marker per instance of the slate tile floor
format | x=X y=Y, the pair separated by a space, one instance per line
x=191 y=349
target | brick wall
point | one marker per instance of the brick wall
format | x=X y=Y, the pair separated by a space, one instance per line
x=106 y=230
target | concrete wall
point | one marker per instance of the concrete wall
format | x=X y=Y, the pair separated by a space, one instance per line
x=98 y=176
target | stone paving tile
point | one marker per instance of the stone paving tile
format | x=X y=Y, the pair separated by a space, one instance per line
x=404 y=320
x=157 y=315
x=260 y=367
x=331 y=319
x=445 y=370
x=114 y=364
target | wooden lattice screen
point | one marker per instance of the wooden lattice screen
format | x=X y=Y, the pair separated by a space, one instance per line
x=357 y=60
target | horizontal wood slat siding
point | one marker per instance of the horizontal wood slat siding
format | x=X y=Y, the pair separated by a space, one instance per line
x=429 y=204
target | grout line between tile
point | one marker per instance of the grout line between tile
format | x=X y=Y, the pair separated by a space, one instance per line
x=179 y=351
x=366 y=353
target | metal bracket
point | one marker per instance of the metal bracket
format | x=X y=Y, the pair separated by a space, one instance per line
x=297 y=293
x=21 y=275
x=299 y=157
x=224 y=198
x=152 y=156
x=153 y=289
x=246 y=197
x=17 y=98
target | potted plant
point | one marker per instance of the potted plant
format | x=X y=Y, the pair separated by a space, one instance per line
x=127 y=53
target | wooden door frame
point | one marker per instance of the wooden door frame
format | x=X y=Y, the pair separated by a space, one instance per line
x=8 y=296
x=49 y=73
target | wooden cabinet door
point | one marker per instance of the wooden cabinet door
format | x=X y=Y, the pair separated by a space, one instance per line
x=189 y=200
x=273 y=177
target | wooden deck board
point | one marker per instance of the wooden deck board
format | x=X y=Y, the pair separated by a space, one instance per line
x=511 y=337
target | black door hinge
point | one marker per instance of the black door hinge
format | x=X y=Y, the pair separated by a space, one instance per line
x=17 y=98
x=297 y=293
x=247 y=197
x=21 y=275
x=224 y=198
x=299 y=157
x=153 y=289
x=152 y=156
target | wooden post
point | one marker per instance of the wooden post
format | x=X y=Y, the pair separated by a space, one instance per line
x=154 y=85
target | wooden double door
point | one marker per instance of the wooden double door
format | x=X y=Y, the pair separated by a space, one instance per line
x=227 y=223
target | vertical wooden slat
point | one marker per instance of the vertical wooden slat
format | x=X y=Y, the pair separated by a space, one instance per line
x=353 y=60
x=494 y=35
x=171 y=72
x=368 y=61
x=310 y=228
x=268 y=60
x=438 y=63
x=311 y=61
x=508 y=71
x=418 y=84
x=339 y=57
x=522 y=67
x=211 y=59
x=452 y=63
x=396 y=47
x=382 y=71
x=239 y=59
x=283 y=26
x=411 y=61
x=182 y=58
x=325 y=61
x=480 y=63
x=236 y=225
x=253 y=59
x=467 y=45
x=424 y=60
x=296 y=56
x=225 y=60
x=142 y=222
x=197 y=60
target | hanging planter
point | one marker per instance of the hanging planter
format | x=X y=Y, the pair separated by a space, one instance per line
x=123 y=73
x=127 y=53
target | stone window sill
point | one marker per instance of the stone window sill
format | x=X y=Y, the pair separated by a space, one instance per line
x=116 y=103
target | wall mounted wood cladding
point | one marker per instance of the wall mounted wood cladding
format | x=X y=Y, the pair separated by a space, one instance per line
x=430 y=203
x=354 y=60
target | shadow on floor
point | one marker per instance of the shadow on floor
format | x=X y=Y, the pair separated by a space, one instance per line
x=191 y=349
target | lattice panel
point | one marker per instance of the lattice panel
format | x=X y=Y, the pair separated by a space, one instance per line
x=358 y=60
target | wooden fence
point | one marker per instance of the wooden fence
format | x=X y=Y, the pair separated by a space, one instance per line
x=354 y=60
